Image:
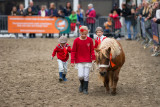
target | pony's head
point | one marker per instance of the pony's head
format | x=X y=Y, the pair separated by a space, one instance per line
x=103 y=60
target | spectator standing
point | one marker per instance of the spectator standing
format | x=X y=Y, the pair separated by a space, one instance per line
x=43 y=13
x=108 y=27
x=34 y=9
x=145 y=10
x=29 y=12
x=68 y=9
x=21 y=12
x=80 y=15
x=115 y=8
x=14 y=13
x=134 y=22
x=126 y=13
x=117 y=24
x=91 y=15
x=79 y=18
x=52 y=12
x=151 y=15
x=61 y=15
x=73 y=19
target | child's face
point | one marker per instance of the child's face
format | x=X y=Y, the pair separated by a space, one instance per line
x=43 y=8
x=132 y=11
x=62 y=44
x=99 y=33
x=114 y=12
x=29 y=10
x=59 y=12
x=84 y=34
x=109 y=19
x=73 y=12
x=78 y=12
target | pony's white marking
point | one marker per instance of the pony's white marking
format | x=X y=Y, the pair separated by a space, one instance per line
x=112 y=43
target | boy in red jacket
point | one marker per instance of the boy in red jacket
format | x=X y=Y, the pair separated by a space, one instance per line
x=62 y=50
x=100 y=38
x=82 y=55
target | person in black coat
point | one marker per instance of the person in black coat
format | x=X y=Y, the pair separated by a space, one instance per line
x=52 y=12
x=34 y=9
x=29 y=12
x=126 y=13
x=14 y=13
x=115 y=8
x=68 y=9
x=21 y=12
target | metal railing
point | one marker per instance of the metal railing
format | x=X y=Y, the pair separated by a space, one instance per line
x=3 y=24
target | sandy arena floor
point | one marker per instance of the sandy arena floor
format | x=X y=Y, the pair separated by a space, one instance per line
x=28 y=77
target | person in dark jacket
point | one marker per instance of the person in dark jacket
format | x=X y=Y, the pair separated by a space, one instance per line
x=115 y=8
x=52 y=12
x=68 y=9
x=91 y=15
x=134 y=22
x=156 y=20
x=29 y=12
x=21 y=12
x=14 y=13
x=34 y=9
x=151 y=15
x=61 y=15
x=126 y=13
x=145 y=10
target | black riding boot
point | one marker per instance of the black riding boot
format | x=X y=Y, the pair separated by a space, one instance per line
x=85 y=87
x=81 y=85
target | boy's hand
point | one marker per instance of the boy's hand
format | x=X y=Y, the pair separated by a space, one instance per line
x=94 y=61
x=72 y=64
x=51 y=57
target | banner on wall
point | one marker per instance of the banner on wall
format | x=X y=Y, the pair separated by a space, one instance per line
x=36 y=24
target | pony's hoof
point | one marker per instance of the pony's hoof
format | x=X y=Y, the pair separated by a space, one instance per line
x=113 y=93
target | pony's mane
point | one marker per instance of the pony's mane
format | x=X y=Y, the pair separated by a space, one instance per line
x=113 y=44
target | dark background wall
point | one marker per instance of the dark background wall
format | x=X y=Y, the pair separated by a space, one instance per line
x=102 y=7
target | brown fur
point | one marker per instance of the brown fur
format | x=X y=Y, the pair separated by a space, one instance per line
x=112 y=73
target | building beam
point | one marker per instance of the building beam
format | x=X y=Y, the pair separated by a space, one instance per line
x=75 y=5
x=26 y=3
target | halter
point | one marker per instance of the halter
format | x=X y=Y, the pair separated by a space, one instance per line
x=104 y=66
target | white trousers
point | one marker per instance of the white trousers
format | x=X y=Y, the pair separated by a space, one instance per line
x=83 y=70
x=62 y=66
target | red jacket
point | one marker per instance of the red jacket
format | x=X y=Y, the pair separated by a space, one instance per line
x=62 y=53
x=117 y=23
x=82 y=51
x=97 y=41
x=92 y=16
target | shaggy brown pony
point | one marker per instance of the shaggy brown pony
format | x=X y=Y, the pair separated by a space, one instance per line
x=110 y=58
